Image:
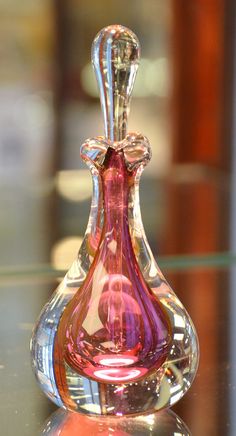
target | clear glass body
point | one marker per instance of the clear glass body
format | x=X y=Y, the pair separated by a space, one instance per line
x=114 y=339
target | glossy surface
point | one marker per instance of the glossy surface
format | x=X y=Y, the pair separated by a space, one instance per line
x=114 y=339
x=165 y=423
x=115 y=57
x=114 y=329
x=122 y=342
x=42 y=342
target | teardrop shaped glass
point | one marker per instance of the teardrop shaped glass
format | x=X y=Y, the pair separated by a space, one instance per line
x=114 y=329
x=121 y=341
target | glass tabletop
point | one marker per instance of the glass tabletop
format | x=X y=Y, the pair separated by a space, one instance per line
x=207 y=409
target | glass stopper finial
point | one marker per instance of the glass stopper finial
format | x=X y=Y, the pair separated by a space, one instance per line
x=115 y=57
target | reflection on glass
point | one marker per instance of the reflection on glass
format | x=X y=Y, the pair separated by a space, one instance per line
x=165 y=423
x=153 y=79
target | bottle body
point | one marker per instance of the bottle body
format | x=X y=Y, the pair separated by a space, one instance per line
x=115 y=339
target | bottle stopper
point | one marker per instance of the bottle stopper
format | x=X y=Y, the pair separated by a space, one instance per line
x=115 y=58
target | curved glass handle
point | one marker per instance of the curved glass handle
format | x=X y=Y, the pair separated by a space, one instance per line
x=115 y=57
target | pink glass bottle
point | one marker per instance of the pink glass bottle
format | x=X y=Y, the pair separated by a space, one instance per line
x=114 y=339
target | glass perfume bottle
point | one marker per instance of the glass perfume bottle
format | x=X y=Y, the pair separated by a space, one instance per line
x=114 y=339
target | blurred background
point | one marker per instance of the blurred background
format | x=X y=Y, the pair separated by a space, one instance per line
x=184 y=102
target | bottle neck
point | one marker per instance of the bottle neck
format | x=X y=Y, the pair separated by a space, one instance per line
x=105 y=214
x=116 y=184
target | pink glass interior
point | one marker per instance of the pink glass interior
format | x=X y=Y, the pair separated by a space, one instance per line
x=114 y=330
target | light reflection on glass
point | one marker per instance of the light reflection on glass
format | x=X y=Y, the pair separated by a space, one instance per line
x=153 y=79
x=165 y=423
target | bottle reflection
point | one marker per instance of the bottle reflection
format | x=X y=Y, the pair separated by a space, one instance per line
x=164 y=423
